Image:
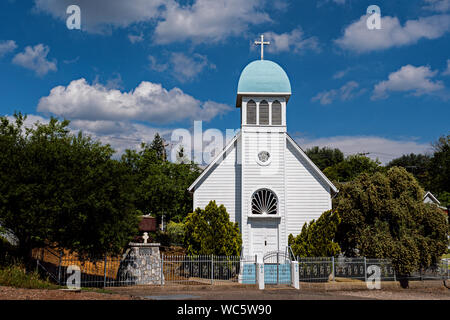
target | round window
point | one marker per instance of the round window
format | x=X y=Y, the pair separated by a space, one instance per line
x=264 y=157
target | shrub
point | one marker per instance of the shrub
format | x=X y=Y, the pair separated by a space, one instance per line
x=383 y=216
x=176 y=232
x=16 y=276
x=210 y=231
x=317 y=237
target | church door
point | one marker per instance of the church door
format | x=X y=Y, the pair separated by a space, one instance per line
x=264 y=236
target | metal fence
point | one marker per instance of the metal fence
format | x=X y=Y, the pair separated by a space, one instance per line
x=206 y=269
x=220 y=270
x=323 y=269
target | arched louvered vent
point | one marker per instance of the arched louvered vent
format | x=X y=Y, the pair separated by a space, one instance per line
x=276 y=113
x=251 y=112
x=263 y=112
x=264 y=201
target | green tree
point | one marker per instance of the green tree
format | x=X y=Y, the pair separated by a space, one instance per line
x=351 y=167
x=417 y=164
x=324 y=157
x=440 y=169
x=161 y=185
x=61 y=189
x=159 y=146
x=176 y=232
x=383 y=216
x=317 y=239
x=210 y=231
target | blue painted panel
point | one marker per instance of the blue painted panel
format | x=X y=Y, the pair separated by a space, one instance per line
x=270 y=273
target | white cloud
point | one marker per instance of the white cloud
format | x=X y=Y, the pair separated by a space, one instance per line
x=187 y=68
x=154 y=65
x=340 y=74
x=182 y=67
x=208 y=21
x=416 y=80
x=7 y=46
x=357 y=37
x=147 y=102
x=293 y=41
x=383 y=149
x=347 y=92
x=136 y=38
x=35 y=58
x=197 y=20
x=100 y=16
x=438 y=5
x=446 y=72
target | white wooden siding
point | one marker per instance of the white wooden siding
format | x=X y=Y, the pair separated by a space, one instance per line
x=307 y=195
x=255 y=176
x=223 y=184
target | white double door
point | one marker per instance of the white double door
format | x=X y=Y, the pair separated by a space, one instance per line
x=264 y=236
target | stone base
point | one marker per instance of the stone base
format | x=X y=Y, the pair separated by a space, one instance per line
x=141 y=265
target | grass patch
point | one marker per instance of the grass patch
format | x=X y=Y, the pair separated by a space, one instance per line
x=17 y=276
x=446 y=256
x=98 y=290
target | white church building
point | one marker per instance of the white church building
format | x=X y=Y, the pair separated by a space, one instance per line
x=262 y=177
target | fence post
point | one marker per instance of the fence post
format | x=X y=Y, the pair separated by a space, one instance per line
x=104 y=273
x=294 y=275
x=59 y=268
x=278 y=270
x=162 y=270
x=448 y=269
x=365 y=269
x=260 y=275
x=212 y=269
x=332 y=268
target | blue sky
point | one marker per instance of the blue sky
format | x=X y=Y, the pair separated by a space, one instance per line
x=141 y=66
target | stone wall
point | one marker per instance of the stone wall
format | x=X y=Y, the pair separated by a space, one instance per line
x=141 y=264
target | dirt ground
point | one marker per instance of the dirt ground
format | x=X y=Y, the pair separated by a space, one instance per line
x=224 y=293
x=9 y=293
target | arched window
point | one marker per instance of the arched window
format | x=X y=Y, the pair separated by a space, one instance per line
x=263 y=112
x=251 y=112
x=276 y=113
x=264 y=201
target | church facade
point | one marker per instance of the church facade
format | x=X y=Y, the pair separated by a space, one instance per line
x=263 y=178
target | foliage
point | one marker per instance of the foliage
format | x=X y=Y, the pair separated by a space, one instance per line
x=383 y=216
x=158 y=145
x=17 y=276
x=161 y=185
x=325 y=157
x=440 y=169
x=417 y=164
x=317 y=238
x=63 y=189
x=176 y=232
x=351 y=167
x=210 y=231
x=432 y=171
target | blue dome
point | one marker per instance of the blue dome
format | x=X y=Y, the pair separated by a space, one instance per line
x=264 y=76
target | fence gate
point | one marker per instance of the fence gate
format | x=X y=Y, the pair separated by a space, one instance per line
x=277 y=267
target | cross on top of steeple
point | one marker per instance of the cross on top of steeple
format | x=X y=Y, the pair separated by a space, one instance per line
x=262 y=43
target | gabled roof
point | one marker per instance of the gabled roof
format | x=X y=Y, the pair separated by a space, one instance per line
x=210 y=166
x=315 y=168
x=296 y=146
x=432 y=197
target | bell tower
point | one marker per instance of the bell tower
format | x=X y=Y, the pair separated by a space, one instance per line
x=263 y=93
